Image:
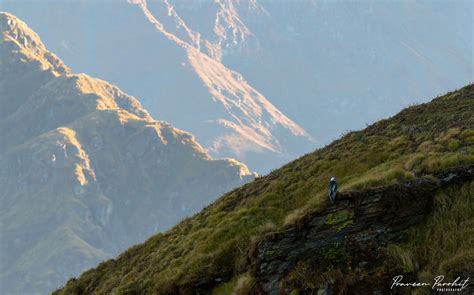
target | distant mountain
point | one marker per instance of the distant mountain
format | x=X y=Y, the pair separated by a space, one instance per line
x=85 y=171
x=258 y=80
x=405 y=205
x=134 y=47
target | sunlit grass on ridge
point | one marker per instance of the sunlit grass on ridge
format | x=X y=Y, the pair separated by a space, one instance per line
x=420 y=140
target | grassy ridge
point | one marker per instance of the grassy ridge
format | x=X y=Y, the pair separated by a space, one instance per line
x=211 y=245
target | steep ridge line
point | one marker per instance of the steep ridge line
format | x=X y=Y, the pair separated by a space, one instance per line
x=253 y=119
x=358 y=225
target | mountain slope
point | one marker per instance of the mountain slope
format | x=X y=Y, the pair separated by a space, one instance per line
x=85 y=171
x=251 y=114
x=214 y=249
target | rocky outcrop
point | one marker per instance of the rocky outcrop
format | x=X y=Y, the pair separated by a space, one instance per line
x=352 y=231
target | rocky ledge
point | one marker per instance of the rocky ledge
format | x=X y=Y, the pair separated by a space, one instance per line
x=347 y=238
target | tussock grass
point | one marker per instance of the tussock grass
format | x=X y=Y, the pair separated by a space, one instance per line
x=213 y=244
x=444 y=244
x=239 y=285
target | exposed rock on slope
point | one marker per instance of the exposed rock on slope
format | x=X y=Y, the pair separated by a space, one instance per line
x=284 y=217
x=85 y=171
x=350 y=237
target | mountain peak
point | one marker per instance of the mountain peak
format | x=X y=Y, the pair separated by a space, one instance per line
x=17 y=37
x=16 y=29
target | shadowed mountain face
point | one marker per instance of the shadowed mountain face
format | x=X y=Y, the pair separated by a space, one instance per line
x=85 y=171
x=256 y=79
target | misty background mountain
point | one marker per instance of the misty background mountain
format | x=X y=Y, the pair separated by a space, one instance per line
x=85 y=171
x=263 y=81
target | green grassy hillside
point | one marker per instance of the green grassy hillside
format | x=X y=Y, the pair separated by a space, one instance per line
x=211 y=248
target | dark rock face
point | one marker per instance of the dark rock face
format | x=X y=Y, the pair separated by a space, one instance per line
x=355 y=228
